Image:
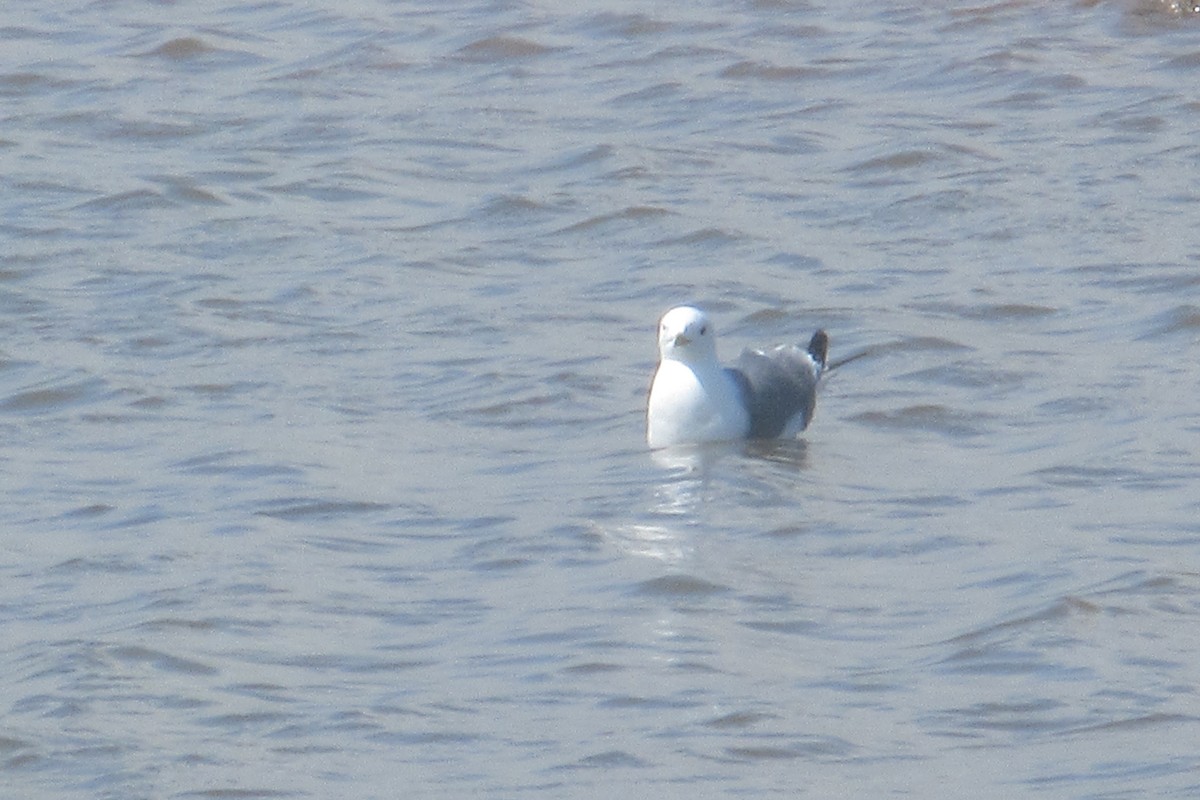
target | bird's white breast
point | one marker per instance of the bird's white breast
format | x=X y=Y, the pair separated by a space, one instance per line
x=688 y=407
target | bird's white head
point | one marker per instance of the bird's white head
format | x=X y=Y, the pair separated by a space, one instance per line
x=686 y=334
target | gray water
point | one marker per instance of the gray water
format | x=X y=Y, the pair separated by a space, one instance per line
x=326 y=339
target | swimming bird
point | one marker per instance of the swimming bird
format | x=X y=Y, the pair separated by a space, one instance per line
x=693 y=399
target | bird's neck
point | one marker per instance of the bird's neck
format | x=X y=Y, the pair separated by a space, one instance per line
x=704 y=366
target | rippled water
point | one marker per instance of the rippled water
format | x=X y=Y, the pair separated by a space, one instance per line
x=326 y=338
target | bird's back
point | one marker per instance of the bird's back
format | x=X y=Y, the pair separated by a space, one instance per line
x=779 y=388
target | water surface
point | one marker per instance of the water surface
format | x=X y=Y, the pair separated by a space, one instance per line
x=326 y=339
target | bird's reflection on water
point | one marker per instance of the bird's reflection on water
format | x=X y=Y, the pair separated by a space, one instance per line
x=692 y=476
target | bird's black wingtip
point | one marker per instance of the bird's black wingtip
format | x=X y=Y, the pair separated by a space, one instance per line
x=818 y=347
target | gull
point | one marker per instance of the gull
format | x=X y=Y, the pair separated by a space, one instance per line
x=693 y=399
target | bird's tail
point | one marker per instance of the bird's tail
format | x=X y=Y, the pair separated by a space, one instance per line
x=818 y=348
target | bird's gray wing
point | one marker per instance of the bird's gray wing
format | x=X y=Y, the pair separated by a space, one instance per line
x=776 y=386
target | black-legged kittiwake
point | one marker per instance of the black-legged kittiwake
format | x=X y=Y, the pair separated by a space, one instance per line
x=693 y=399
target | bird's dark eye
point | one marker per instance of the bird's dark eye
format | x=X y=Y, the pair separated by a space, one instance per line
x=703 y=329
